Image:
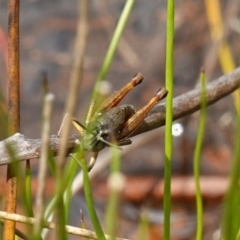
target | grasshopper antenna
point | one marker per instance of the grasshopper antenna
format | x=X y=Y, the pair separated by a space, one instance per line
x=109 y=144
x=79 y=126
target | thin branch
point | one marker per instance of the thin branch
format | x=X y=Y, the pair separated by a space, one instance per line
x=69 y=229
x=183 y=105
x=190 y=102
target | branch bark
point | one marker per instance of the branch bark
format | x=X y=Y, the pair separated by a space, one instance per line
x=183 y=105
x=69 y=229
x=190 y=102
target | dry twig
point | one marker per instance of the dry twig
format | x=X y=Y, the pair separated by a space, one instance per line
x=183 y=105
x=69 y=229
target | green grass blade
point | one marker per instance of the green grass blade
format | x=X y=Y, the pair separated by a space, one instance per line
x=28 y=192
x=197 y=155
x=113 y=45
x=168 y=133
x=73 y=167
x=67 y=179
x=115 y=183
x=231 y=213
x=89 y=198
x=143 y=228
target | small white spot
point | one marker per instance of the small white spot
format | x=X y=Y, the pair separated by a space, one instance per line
x=50 y=97
x=105 y=88
x=116 y=181
x=177 y=129
x=226 y=119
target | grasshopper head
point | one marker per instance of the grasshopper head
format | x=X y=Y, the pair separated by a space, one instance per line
x=93 y=139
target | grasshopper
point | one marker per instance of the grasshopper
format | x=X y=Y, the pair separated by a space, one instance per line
x=113 y=123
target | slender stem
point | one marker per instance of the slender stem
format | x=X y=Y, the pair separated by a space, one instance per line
x=144 y=226
x=217 y=29
x=43 y=163
x=75 y=80
x=169 y=118
x=28 y=190
x=13 y=109
x=115 y=184
x=196 y=163
x=231 y=214
x=76 y=76
x=68 y=176
x=113 y=45
x=89 y=198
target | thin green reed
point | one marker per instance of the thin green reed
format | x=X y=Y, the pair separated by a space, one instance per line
x=113 y=202
x=197 y=156
x=231 y=212
x=168 y=133
x=115 y=183
x=113 y=45
x=79 y=157
x=73 y=167
x=143 y=228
